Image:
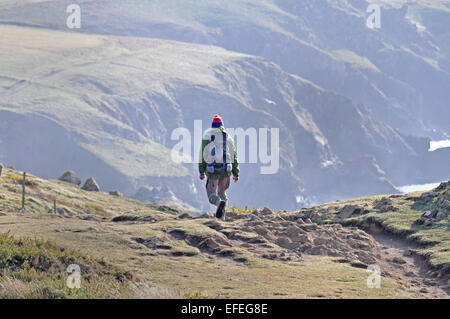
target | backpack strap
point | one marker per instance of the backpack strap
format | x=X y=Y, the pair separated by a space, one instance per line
x=224 y=134
x=213 y=152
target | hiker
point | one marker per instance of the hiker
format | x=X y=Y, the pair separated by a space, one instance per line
x=218 y=161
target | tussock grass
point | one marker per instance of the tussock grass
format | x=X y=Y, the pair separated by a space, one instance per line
x=33 y=268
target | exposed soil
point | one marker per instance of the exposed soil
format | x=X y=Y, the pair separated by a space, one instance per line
x=400 y=262
x=291 y=239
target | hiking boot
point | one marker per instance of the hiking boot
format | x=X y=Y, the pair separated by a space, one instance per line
x=220 y=209
x=224 y=213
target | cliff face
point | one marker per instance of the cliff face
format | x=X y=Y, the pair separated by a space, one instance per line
x=106 y=105
x=112 y=118
x=399 y=71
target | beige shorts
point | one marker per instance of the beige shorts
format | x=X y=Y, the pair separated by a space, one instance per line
x=216 y=189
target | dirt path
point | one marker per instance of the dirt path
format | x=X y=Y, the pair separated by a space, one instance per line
x=289 y=238
x=398 y=261
x=297 y=237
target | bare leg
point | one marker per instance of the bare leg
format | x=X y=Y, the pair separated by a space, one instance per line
x=211 y=191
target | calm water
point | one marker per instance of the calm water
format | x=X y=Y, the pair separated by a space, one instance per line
x=435 y=145
x=417 y=188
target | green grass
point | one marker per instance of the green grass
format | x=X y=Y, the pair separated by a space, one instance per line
x=435 y=237
x=36 y=268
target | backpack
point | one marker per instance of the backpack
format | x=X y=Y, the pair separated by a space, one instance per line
x=218 y=159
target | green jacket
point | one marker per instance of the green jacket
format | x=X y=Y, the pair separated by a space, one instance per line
x=202 y=163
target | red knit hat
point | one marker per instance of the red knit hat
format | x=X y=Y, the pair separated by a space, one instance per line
x=217 y=121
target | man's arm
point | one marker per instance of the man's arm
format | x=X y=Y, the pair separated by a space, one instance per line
x=202 y=162
x=235 y=169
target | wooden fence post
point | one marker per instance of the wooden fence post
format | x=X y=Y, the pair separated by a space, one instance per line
x=23 y=190
x=54 y=206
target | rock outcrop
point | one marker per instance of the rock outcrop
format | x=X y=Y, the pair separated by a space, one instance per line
x=384 y=205
x=162 y=195
x=70 y=177
x=91 y=185
x=156 y=194
x=350 y=210
x=438 y=203
x=271 y=236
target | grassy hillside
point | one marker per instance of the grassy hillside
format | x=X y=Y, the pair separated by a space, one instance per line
x=158 y=250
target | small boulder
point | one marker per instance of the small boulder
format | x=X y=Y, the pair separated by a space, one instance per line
x=318 y=250
x=428 y=222
x=444 y=204
x=91 y=185
x=185 y=216
x=293 y=231
x=310 y=213
x=156 y=194
x=398 y=260
x=209 y=244
x=349 y=210
x=320 y=241
x=267 y=211
x=206 y=215
x=443 y=186
x=384 y=205
x=440 y=215
x=429 y=217
x=70 y=177
x=308 y=227
x=262 y=231
x=116 y=193
x=427 y=214
x=427 y=196
x=366 y=258
x=304 y=239
x=284 y=242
